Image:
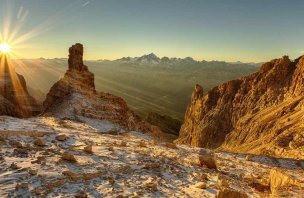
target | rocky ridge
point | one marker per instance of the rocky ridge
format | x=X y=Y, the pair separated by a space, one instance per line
x=14 y=97
x=261 y=113
x=75 y=97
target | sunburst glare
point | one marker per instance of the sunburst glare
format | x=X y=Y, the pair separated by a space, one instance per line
x=4 y=48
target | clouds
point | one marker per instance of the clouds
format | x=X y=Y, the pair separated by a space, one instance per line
x=86 y=3
x=22 y=14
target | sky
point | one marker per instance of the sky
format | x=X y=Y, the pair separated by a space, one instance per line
x=234 y=30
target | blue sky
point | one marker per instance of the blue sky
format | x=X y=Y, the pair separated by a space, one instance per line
x=244 y=30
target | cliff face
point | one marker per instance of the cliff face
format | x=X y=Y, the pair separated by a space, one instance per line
x=14 y=97
x=261 y=113
x=74 y=97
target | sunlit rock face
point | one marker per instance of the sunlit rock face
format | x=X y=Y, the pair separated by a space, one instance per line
x=74 y=97
x=261 y=113
x=14 y=97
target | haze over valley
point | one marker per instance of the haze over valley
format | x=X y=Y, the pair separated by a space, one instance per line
x=148 y=83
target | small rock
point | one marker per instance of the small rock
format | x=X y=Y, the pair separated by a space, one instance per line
x=223 y=183
x=123 y=143
x=33 y=172
x=230 y=193
x=21 y=186
x=208 y=160
x=68 y=157
x=151 y=186
x=142 y=144
x=39 y=160
x=81 y=194
x=14 y=166
x=248 y=158
x=203 y=176
x=88 y=149
x=61 y=137
x=37 y=191
x=40 y=142
x=21 y=151
x=16 y=144
x=200 y=185
x=111 y=180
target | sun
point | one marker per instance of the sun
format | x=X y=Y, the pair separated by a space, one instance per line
x=4 y=48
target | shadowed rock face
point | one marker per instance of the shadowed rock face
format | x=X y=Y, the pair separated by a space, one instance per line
x=76 y=58
x=168 y=124
x=261 y=113
x=14 y=97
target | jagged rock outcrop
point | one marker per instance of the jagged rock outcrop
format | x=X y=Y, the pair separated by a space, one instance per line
x=74 y=97
x=261 y=113
x=14 y=97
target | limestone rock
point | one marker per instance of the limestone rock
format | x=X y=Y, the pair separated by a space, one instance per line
x=207 y=159
x=200 y=185
x=40 y=142
x=223 y=182
x=260 y=113
x=14 y=166
x=248 y=158
x=38 y=190
x=88 y=149
x=33 y=172
x=228 y=192
x=68 y=157
x=81 y=194
x=61 y=137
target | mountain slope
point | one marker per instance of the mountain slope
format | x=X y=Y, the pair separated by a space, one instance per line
x=49 y=157
x=261 y=113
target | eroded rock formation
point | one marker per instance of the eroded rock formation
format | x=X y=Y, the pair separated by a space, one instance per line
x=74 y=97
x=261 y=113
x=14 y=97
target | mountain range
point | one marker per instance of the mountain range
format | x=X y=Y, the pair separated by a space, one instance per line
x=148 y=83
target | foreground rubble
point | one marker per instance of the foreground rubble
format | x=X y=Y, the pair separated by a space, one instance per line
x=47 y=157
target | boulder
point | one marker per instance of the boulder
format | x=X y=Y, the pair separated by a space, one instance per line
x=61 y=137
x=207 y=159
x=88 y=149
x=40 y=142
x=68 y=157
